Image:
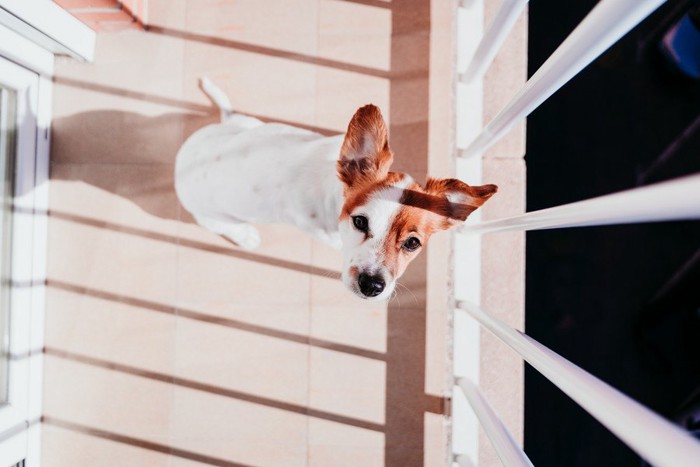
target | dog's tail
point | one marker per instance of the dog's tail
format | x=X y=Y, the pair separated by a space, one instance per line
x=217 y=96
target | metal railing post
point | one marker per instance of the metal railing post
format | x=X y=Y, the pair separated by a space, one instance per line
x=604 y=25
x=508 y=450
x=653 y=437
x=677 y=199
x=491 y=42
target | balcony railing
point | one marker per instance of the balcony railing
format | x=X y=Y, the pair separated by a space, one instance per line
x=650 y=435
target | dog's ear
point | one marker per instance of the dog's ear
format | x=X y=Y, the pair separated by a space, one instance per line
x=365 y=155
x=462 y=199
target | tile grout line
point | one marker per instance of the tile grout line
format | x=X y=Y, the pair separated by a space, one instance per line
x=311 y=251
x=178 y=246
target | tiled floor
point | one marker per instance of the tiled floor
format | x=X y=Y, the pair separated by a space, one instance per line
x=167 y=345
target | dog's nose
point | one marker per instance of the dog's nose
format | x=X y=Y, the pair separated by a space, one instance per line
x=371 y=286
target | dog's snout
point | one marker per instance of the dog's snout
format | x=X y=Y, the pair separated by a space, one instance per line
x=370 y=286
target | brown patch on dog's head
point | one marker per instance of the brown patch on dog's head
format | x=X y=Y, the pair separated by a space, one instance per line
x=458 y=200
x=359 y=195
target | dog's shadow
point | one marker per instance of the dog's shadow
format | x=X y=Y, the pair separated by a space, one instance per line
x=125 y=153
x=124 y=156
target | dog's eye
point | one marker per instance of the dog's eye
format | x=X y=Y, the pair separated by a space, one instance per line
x=412 y=244
x=360 y=223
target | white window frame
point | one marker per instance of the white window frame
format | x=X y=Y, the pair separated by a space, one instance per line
x=49 y=26
x=31 y=32
x=26 y=68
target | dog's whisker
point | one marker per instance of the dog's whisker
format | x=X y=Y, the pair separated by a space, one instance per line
x=409 y=291
x=395 y=295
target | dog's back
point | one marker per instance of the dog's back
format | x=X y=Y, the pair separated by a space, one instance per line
x=252 y=174
x=245 y=170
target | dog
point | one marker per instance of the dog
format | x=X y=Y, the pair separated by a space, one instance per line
x=339 y=189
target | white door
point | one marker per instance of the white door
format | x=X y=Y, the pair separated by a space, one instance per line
x=20 y=373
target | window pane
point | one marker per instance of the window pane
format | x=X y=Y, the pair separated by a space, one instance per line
x=7 y=156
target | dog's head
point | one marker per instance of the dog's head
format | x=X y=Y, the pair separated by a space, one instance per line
x=387 y=218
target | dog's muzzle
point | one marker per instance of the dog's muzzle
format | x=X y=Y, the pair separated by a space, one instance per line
x=370 y=286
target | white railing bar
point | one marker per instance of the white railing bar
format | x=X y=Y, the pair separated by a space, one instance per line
x=677 y=199
x=508 y=450
x=657 y=440
x=492 y=41
x=604 y=25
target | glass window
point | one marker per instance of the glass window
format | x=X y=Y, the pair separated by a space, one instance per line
x=8 y=106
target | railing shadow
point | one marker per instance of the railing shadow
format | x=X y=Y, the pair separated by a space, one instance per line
x=258 y=49
x=202 y=246
x=139 y=443
x=212 y=389
x=216 y=320
x=206 y=114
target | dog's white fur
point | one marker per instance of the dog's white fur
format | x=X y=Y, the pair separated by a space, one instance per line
x=244 y=170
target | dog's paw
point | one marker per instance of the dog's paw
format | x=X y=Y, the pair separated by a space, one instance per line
x=244 y=235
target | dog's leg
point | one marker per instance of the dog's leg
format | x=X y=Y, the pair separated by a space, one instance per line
x=241 y=233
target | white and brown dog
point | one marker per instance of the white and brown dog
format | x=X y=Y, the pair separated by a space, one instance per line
x=339 y=189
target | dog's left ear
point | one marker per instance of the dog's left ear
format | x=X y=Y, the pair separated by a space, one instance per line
x=365 y=155
x=462 y=199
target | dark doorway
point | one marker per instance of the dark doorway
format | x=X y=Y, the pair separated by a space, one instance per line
x=623 y=302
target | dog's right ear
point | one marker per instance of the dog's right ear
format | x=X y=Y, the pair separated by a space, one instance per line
x=365 y=156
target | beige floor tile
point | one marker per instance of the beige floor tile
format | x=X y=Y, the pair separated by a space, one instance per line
x=241 y=362
x=325 y=256
x=347 y=385
x=238 y=431
x=355 y=33
x=133 y=267
x=84 y=97
x=144 y=67
x=289 y=245
x=167 y=13
x=276 y=25
x=63 y=447
x=437 y=361
x=105 y=399
x=442 y=80
x=436 y=440
x=258 y=84
x=336 y=444
x=340 y=93
x=273 y=276
x=360 y=327
x=107 y=331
